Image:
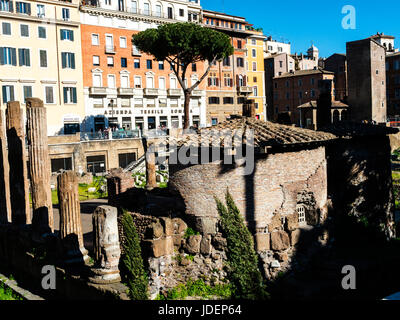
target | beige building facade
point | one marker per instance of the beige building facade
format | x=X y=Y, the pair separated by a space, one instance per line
x=40 y=56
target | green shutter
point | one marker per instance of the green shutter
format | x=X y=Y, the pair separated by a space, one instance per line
x=27 y=57
x=73 y=60
x=1 y=55
x=4 y=94
x=74 y=100
x=12 y=93
x=72 y=35
x=13 y=56
x=20 y=57
x=65 y=95
x=63 y=59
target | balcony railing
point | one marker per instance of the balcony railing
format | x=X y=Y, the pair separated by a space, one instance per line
x=174 y=92
x=196 y=93
x=243 y=89
x=126 y=91
x=110 y=49
x=150 y=92
x=98 y=90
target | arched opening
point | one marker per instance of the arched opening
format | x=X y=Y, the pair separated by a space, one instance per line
x=336 y=116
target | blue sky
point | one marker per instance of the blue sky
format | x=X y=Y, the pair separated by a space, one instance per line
x=317 y=21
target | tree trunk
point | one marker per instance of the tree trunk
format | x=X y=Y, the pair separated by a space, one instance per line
x=186 y=110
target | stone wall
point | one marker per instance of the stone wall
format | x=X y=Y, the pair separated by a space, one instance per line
x=273 y=188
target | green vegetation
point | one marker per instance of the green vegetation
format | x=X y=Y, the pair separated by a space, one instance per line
x=6 y=293
x=131 y=263
x=243 y=272
x=197 y=289
x=181 y=45
x=142 y=181
x=190 y=232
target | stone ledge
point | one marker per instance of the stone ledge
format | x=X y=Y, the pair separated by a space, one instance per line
x=24 y=294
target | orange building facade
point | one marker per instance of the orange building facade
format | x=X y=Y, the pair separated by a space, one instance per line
x=128 y=89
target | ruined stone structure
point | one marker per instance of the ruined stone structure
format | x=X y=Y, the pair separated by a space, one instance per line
x=19 y=188
x=106 y=245
x=39 y=161
x=118 y=182
x=5 y=204
x=150 y=166
x=70 y=218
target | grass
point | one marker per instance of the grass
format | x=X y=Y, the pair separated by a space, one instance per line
x=6 y=293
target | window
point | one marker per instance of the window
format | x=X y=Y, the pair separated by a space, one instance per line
x=228 y=100
x=301 y=214
x=96 y=60
x=69 y=95
x=133 y=8
x=8 y=56
x=135 y=51
x=97 y=80
x=43 y=58
x=158 y=10
x=254 y=79
x=160 y=65
x=181 y=12
x=95 y=39
x=68 y=60
x=125 y=159
x=124 y=63
x=24 y=30
x=212 y=79
x=300 y=94
x=66 y=34
x=65 y=14
x=253 y=42
x=312 y=93
x=149 y=64
x=124 y=81
x=173 y=83
x=228 y=80
x=240 y=62
x=170 y=13
x=397 y=65
x=146 y=9
x=254 y=53
x=194 y=67
x=110 y=61
x=377 y=71
x=63 y=163
x=24 y=57
x=49 y=95
x=280 y=49
x=8 y=93
x=213 y=100
x=6 y=5
x=41 y=11
x=138 y=82
x=136 y=63
x=23 y=7
x=122 y=42
x=300 y=83
x=214 y=121
x=255 y=91
x=42 y=32
x=6 y=28
x=239 y=44
x=254 y=66
x=226 y=61
x=149 y=82
x=312 y=81
x=161 y=83
x=287 y=95
x=111 y=81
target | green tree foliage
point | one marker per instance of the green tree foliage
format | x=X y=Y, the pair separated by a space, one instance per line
x=243 y=272
x=181 y=44
x=131 y=265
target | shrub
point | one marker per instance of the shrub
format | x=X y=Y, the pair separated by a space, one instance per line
x=190 y=232
x=131 y=265
x=243 y=272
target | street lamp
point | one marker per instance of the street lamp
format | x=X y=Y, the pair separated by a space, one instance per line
x=111 y=104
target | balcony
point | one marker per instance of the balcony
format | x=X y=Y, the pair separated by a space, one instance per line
x=150 y=92
x=174 y=92
x=110 y=49
x=245 y=90
x=98 y=91
x=196 y=93
x=126 y=91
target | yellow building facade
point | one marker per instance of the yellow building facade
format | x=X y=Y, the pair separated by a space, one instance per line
x=255 y=72
x=40 y=56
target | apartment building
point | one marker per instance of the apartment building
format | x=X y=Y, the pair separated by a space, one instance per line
x=227 y=84
x=337 y=63
x=255 y=73
x=276 y=47
x=124 y=87
x=40 y=56
x=295 y=88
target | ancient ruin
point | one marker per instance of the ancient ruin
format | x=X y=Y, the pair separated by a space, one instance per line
x=5 y=204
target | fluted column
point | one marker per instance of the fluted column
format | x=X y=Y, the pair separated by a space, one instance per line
x=105 y=245
x=39 y=165
x=5 y=204
x=70 y=218
x=19 y=188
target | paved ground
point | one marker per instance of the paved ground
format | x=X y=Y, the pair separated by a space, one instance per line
x=87 y=208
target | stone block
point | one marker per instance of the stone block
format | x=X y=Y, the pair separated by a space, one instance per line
x=262 y=241
x=219 y=242
x=275 y=223
x=281 y=256
x=207 y=225
x=275 y=264
x=177 y=240
x=294 y=237
x=292 y=221
x=162 y=247
x=179 y=225
x=168 y=226
x=156 y=230
x=279 y=240
x=193 y=244
x=205 y=245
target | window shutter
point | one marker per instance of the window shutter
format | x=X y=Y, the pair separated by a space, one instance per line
x=62 y=34
x=12 y=93
x=21 y=57
x=244 y=81
x=13 y=52
x=28 y=8
x=65 y=95
x=1 y=55
x=63 y=60
x=27 y=57
x=217 y=82
x=4 y=89
x=74 y=100
x=72 y=35
x=11 y=4
x=73 y=60
x=18 y=6
x=43 y=58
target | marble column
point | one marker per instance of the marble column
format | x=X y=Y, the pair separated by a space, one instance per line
x=39 y=165
x=70 y=218
x=5 y=203
x=19 y=187
x=151 y=182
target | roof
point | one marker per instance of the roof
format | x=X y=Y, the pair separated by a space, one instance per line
x=357 y=129
x=381 y=35
x=304 y=73
x=314 y=104
x=266 y=134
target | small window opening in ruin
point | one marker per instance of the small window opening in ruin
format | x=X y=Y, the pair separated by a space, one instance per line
x=301 y=212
